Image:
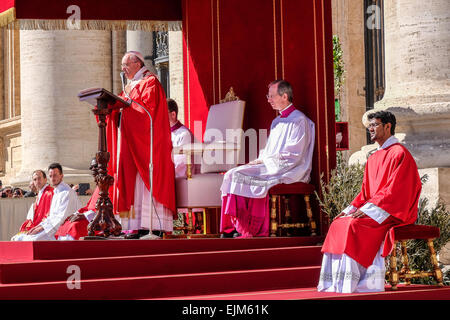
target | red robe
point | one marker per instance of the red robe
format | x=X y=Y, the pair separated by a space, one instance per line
x=135 y=148
x=78 y=228
x=392 y=183
x=41 y=210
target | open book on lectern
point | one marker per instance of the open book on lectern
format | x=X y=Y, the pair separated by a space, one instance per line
x=92 y=95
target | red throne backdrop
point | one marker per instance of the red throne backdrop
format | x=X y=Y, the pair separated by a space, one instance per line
x=239 y=44
x=246 y=45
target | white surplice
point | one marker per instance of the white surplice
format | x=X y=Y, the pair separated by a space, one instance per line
x=286 y=158
x=181 y=137
x=162 y=218
x=64 y=203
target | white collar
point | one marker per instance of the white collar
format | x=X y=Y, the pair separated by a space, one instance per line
x=42 y=190
x=140 y=74
x=389 y=142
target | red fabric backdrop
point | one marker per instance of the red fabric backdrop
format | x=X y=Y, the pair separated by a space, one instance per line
x=246 y=45
x=96 y=10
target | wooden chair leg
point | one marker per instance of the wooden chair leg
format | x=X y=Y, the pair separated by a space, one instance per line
x=273 y=216
x=437 y=271
x=190 y=216
x=204 y=221
x=393 y=274
x=405 y=262
x=311 y=222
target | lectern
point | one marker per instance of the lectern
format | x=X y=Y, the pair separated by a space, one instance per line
x=104 y=101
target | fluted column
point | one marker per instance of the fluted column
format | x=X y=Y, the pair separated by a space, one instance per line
x=417 y=77
x=418 y=89
x=142 y=41
x=56 y=127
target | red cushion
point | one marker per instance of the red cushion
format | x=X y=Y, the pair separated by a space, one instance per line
x=292 y=188
x=416 y=231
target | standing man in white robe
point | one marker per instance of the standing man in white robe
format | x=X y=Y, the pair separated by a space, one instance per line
x=286 y=158
x=64 y=203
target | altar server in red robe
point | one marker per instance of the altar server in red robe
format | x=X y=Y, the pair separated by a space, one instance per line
x=64 y=203
x=41 y=207
x=361 y=236
x=129 y=143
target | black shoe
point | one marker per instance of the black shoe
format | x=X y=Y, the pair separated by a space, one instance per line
x=232 y=234
x=137 y=235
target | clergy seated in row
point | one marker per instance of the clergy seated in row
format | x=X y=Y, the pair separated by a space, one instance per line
x=286 y=158
x=53 y=205
x=362 y=235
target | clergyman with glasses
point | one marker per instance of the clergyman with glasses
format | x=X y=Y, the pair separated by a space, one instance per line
x=359 y=237
x=286 y=158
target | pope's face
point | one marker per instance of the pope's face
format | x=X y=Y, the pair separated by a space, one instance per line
x=130 y=66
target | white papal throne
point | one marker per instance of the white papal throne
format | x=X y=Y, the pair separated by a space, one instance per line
x=221 y=150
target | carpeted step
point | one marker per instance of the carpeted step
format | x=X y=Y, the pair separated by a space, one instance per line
x=176 y=263
x=165 y=286
x=411 y=292
x=57 y=250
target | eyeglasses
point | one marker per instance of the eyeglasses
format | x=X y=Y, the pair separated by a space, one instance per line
x=269 y=96
x=373 y=125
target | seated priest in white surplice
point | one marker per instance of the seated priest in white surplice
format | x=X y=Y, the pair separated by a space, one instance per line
x=64 y=202
x=286 y=158
x=180 y=135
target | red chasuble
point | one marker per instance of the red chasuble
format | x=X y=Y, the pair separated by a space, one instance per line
x=41 y=210
x=392 y=183
x=132 y=154
x=78 y=228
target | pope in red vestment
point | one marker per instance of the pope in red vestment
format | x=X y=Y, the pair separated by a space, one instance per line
x=389 y=197
x=128 y=136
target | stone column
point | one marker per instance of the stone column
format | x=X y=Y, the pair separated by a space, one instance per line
x=418 y=87
x=348 y=24
x=176 y=71
x=417 y=78
x=119 y=47
x=142 y=41
x=56 y=127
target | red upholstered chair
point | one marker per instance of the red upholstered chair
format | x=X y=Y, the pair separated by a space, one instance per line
x=409 y=232
x=280 y=193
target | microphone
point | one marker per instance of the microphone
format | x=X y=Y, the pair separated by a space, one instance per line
x=123 y=79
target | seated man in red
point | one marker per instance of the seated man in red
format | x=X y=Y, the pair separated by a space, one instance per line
x=41 y=207
x=359 y=238
x=76 y=225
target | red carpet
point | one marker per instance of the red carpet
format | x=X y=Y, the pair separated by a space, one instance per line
x=196 y=269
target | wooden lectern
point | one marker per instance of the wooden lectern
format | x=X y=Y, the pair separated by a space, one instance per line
x=104 y=101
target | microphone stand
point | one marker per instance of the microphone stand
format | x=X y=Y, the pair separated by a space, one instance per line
x=150 y=235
